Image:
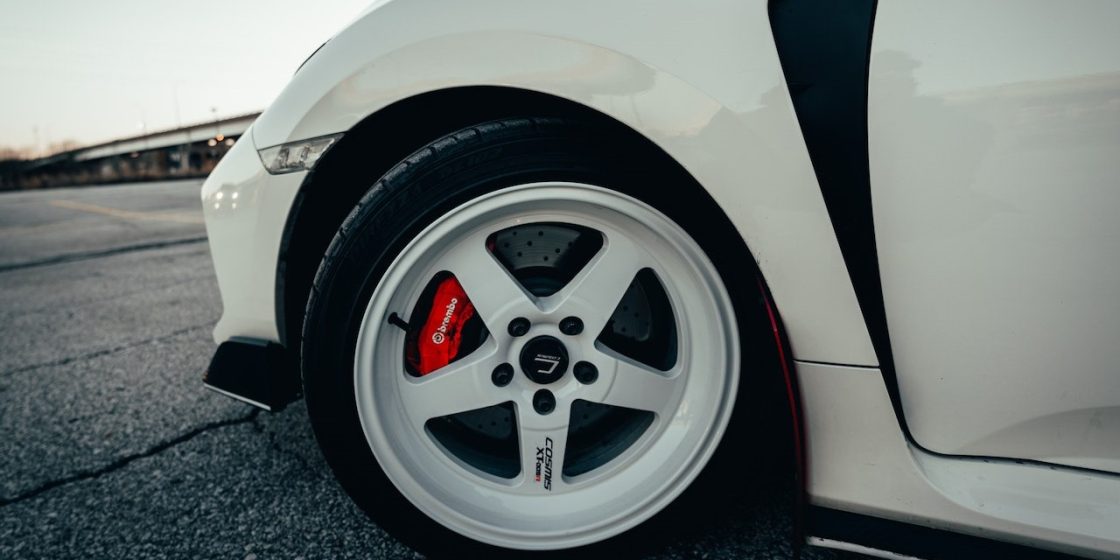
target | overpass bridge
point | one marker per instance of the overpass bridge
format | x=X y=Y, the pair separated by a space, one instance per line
x=184 y=152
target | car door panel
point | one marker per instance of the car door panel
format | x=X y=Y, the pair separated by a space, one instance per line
x=994 y=139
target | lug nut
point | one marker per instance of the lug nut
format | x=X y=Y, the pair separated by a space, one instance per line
x=544 y=402
x=519 y=327
x=502 y=375
x=585 y=372
x=571 y=326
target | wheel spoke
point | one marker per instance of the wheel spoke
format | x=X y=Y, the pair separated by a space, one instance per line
x=597 y=290
x=543 y=441
x=635 y=385
x=496 y=295
x=458 y=387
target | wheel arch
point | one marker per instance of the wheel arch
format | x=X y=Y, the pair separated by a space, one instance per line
x=732 y=128
x=328 y=194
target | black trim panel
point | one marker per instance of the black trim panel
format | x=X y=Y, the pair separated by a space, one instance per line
x=915 y=540
x=256 y=372
x=825 y=50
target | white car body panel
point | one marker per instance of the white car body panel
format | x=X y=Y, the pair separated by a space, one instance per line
x=859 y=461
x=715 y=101
x=994 y=166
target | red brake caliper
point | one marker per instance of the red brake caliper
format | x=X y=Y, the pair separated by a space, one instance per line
x=441 y=334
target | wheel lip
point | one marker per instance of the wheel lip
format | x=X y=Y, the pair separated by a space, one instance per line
x=378 y=438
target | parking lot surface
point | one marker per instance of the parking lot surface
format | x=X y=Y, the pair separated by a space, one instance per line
x=112 y=448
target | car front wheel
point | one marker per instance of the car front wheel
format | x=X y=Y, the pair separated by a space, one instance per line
x=511 y=344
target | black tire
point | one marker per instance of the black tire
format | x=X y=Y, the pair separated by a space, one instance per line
x=439 y=177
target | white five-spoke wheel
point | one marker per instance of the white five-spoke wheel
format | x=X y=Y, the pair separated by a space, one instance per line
x=690 y=402
x=518 y=340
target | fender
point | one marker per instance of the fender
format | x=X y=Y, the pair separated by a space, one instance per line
x=719 y=106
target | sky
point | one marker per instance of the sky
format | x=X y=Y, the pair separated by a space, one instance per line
x=95 y=70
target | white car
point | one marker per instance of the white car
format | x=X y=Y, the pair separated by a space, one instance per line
x=570 y=275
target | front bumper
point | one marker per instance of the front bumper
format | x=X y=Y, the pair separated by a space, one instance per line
x=246 y=210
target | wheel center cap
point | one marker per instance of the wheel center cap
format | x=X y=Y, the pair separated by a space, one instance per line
x=544 y=359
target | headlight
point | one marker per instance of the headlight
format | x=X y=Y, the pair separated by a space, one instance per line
x=296 y=156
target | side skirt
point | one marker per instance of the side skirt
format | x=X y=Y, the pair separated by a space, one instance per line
x=873 y=536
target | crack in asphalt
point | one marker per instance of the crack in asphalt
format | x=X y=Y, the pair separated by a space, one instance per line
x=127 y=459
x=271 y=436
x=105 y=352
x=71 y=257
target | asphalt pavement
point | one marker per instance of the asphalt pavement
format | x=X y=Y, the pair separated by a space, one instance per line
x=111 y=448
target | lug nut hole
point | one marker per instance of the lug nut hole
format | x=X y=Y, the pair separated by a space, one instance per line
x=544 y=402
x=502 y=375
x=571 y=326
x=519 y=327
x=585 y=372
